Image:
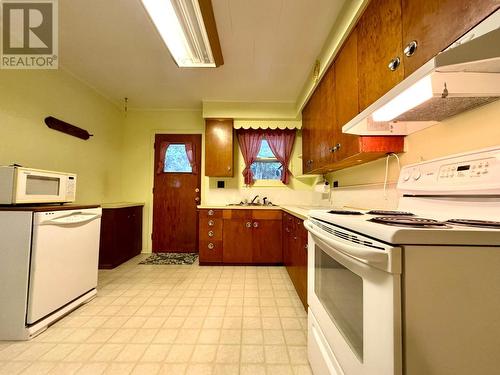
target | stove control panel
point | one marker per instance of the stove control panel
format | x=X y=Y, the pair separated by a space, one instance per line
x=475 y=173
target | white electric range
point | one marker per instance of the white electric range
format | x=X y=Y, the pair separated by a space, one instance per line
x=413 y=291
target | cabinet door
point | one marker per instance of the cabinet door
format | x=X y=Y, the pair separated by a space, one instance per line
x=219 y=148
x=379 y=43
x=237 y=241
x=436 y=24
x=308 y=121
x=346 y=96
x=326 y=129
x=301 y=234
x=267 y=242
x=287 y=229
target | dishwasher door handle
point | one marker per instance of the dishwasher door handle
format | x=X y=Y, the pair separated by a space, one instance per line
x=72 y=219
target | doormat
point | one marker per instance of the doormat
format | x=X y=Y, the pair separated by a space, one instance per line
x=171 y=258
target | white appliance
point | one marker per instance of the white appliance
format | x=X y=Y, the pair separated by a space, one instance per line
x=414 y=291
x=462 y=77
x=48 y=265
x=30 y=186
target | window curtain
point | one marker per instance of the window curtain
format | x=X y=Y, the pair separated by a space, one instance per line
x=281 y=144
x=163 y=152
x=250 y=142
x=191 y=155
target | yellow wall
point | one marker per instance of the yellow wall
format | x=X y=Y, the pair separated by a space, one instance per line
x=468 y=131
x=27 y=97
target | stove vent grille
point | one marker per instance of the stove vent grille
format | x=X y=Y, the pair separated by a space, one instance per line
x=346 y=236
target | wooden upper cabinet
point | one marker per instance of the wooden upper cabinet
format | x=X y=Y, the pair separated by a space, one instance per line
x=379 y=44
x=346 y=95
x=306 y=139
x=436 y=24
x=327 y=129
x=219 y=139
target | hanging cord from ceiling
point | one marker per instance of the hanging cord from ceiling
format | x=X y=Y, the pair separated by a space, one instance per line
x=387 y=170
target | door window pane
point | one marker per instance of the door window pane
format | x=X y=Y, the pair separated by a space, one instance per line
x=176 y=160
x=341 y=294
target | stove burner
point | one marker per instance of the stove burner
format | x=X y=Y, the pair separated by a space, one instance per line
x=475 y=223
x=345 y=212
x=410 y=222
x=389 y=213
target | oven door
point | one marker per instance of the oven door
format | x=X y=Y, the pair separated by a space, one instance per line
x=354 y=303
x=33 y=186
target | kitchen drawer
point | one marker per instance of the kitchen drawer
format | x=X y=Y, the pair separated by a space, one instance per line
x=210 y=251
x=210 y=213
x=238 y=214
x=210 y=229
x=267 y=214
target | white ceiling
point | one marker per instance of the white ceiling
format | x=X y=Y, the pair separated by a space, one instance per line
x=269 y=48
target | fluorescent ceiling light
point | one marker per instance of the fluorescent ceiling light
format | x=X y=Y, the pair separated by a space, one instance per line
x=415 y=95
x=181 y=24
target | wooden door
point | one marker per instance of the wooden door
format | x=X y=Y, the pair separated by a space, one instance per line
x=436 y=24
x=176 y=193
x=266 y=237
x=237 y=240
x=346 y=95
x=219 y=148
x=379 y=42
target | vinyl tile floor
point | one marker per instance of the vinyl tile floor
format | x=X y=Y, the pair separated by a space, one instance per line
x=164 y=319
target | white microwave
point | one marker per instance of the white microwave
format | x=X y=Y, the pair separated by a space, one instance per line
x=30 y=186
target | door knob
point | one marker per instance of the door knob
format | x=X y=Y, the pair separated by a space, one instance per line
x=197 y=190
x=255 y=225
x=210 y=212
x=248 y=224
x=210 y=246
x=210 y=233
x=211 y=223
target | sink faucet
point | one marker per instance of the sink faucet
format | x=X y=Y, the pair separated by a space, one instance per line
x=264 y=200
x=253 y=200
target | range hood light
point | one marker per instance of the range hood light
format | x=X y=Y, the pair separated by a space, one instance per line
x=180 y=24
x=415 y=95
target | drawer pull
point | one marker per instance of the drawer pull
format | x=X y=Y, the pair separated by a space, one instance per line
x=211 y=223
x=255 y=225
x=210 y=246
x=248 y=224
x=210 y=233
x=210 y=212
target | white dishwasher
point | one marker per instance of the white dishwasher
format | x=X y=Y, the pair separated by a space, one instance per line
x=64 y=259
x=48 y=265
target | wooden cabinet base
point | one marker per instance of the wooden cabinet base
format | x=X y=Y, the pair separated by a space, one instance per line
x=121 y=235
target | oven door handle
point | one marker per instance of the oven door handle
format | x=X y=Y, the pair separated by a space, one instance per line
x=365 y=254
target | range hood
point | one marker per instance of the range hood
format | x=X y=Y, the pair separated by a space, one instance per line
x=463 y=77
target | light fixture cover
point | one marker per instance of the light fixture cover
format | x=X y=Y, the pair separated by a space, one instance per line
x=181 y=25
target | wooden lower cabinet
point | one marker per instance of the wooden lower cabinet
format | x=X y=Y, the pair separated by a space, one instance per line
x=295 y=254
x=121 y=235
x=241 y=236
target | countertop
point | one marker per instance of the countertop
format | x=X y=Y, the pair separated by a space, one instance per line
x=122 y=204
x=299 y=211
x=48 y=207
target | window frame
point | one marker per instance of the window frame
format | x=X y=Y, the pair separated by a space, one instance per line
x=267 y=160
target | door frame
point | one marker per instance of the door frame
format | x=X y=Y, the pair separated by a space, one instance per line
x=148 y=215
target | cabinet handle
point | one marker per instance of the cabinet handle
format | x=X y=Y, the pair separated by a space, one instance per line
x=248 y=224
x=210 y=212
x=287 y=230
x=335 y=148
x=255 y=225
x=229 y=168
x=305 y=247
x=410 y=48
x=211 y=246
x=211 y=223
x=197 y=199
x=210 y=233
x=197 y=190
x=309 y=162
x=394 y=64
x=294 y=238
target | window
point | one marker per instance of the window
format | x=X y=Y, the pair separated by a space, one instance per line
x=266 y=167
x=176 y=160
